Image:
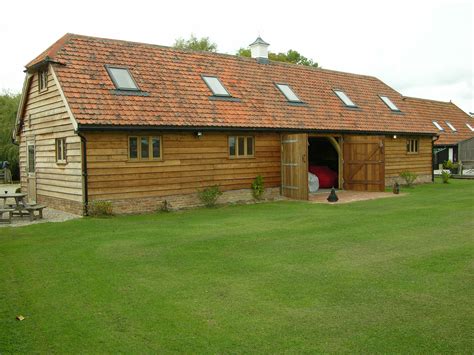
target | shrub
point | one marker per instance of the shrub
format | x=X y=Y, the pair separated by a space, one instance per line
x=18 y=190
x=258 y=189
x=100 y=208
x=409 y=177
x=445 y=176
x=452 y=167
x=209 y=195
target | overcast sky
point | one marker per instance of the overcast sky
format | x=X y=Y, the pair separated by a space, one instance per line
x=420 y=48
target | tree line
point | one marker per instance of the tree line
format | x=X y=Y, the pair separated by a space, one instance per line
x=205 y=44
x=8 y=151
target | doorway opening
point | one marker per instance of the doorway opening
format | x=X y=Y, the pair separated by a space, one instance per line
x=324 y=164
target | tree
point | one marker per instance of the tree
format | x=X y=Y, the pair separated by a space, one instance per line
x=291 y=56
x=197 y=44
x=9 y=151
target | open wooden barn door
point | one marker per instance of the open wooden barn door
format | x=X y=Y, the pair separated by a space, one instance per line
x=294 y=166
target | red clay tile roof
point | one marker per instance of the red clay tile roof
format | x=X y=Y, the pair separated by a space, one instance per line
x=442 y=112
x=179 y=97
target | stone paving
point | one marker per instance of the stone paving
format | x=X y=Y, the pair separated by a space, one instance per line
x=350 y=196
x=49 y=214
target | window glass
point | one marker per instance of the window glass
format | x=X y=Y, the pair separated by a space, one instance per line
x=144 y=148
x=249 y=145
x=59 y=152
x=451 y=126
x=156 y=147
x=344 y=98
x=122 y=78
x=288 y=92
x=437 y=125
x=216 y=86
x=232 y=146
x=133 y=147
x=389 y=103
x=241 y=146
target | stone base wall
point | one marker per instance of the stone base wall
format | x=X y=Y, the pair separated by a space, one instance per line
x=176 y=202
x=61 y=204
x=421 y=179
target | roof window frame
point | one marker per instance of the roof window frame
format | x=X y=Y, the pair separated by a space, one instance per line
x=438 y=126
x=450 y=125
x=354 y=105
x=278 y=84
x=386 y=104
x=229 y=95
x=117 y=87
x=470 y=127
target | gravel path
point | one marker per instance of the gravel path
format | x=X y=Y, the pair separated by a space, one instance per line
x=49 y=214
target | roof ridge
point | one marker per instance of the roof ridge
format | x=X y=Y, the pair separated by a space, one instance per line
x=431 y=100
x=67 y=36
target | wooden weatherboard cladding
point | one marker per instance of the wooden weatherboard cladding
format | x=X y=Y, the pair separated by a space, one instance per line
x=397 y=159
x=48 y=120
x=189 y=163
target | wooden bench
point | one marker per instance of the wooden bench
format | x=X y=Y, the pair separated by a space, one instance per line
x=10 y=215
x=31 y=210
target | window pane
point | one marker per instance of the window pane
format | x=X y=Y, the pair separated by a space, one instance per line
x=344 y=98
x=437 y=125
x=232 y=146
x=289 y=94
x=389 y=103
x=133 y=153
x=241 y=146
x=416 y=145
x=31 y=158
x=156 y=147
x=215 y=85
x=145 y=153
x=122 y=78
x=249 y=145
x=58 y=150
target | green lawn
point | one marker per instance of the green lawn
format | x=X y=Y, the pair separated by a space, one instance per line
x=390 y=275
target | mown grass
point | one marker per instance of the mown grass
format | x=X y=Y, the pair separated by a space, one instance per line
x=390 y=275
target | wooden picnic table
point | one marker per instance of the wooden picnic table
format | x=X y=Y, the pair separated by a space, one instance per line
x=18 y=196
x=21 y=207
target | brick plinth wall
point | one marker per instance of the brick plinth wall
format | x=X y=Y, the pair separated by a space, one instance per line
x=176 y=202
x=421 y=179
x=61 y=204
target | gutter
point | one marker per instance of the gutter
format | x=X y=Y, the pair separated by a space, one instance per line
x=119 y=128
x=84 y=173
x=433 y=156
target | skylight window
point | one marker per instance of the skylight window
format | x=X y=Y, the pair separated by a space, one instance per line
x=470 y=127
x=122 y=78
x=288 y=92
x=437 y=125
x=451 y=126
x=389 y=103
x=344 y=98
x=215 y=85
